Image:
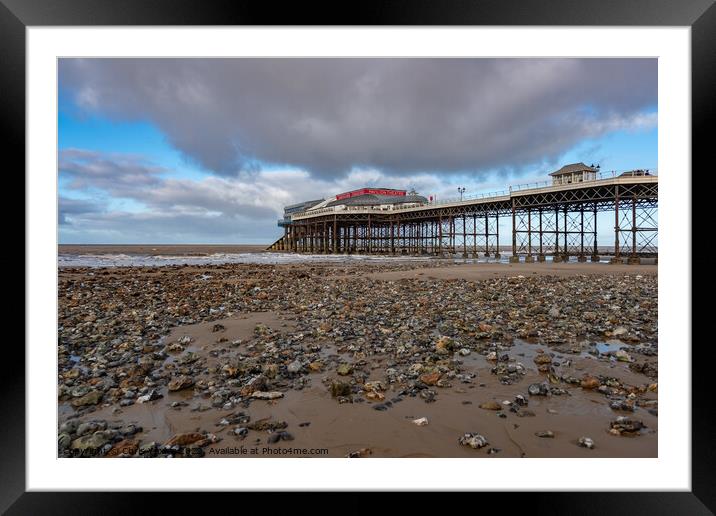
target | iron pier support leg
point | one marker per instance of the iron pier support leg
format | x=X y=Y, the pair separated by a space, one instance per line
x=464 y=238
x=566 y=244
x=440 y=236
x=487 y=235
x=529 y=258
x=541 y=257
x=514 y=258
x=497 y=235
x=335 y=234
x=557 y=257
x=634 y=258
x=617 y=254
x=595 y=252
x=474 y=235
x=581 y=257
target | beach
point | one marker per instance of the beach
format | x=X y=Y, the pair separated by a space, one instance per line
x=363 y=358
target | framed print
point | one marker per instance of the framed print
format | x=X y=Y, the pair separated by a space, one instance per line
x=270 y=242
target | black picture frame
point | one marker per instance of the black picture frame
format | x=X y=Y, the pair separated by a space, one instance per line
x=700 y=15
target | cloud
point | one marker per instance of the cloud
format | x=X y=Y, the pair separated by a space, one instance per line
x=72 y=207
x=243 y=208
x=115 y=173
x=401 y=116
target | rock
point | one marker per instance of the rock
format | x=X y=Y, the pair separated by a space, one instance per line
x=542 y=358
x=150 y=396
x=586 y=442
x=180 y=382
x=549 y=434
x=229 y=371
x=624 y=405
x=473 y=440
x=90 y=427
x=184 y=439
x=149 y=450
x=428 y=395
x=263 y=395
x=521 y=400
x=589 y=382
x=464 y=352
x=490 y=405
x=89 y=445
x=554 y=312
x=375 y=396
x=538 y=389
x=491 y=356
x=315 y=367
x=423 y=421
x=257 y=383
x=70 y=426
x=623 y=356
x=217 y=327
x=375 y=385
x=91 y=398
x=430 y=378
x=294 y=367
x=619 y=330
x=124 y=448
x=625 y=426
x=63 y=441
x=484 y=327
x=344 y=369
x=267 y=424
x=444 y=345
x=363 y=452
x=340 y=389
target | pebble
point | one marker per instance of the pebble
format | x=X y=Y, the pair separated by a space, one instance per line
x=586 y=442
x=473 y=440
x=261 y=395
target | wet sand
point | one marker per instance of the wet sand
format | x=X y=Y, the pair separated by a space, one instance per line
x=338 y=429
x=482 y=271
x=343 y=428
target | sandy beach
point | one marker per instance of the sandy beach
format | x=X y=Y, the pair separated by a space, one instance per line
x=423 y=359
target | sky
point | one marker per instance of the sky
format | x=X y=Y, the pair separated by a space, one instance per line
x=202 y=151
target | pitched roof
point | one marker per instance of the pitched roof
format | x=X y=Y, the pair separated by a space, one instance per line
x=574 y=167
x=374 y=200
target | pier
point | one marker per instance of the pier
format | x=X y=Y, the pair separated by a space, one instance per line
x=557 y=219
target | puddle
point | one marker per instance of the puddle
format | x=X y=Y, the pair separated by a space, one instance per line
x=609 y=348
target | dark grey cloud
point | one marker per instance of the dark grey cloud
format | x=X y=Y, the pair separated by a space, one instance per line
x=400 y=116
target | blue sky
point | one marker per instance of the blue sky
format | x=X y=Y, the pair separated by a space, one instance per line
x=170 y=154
